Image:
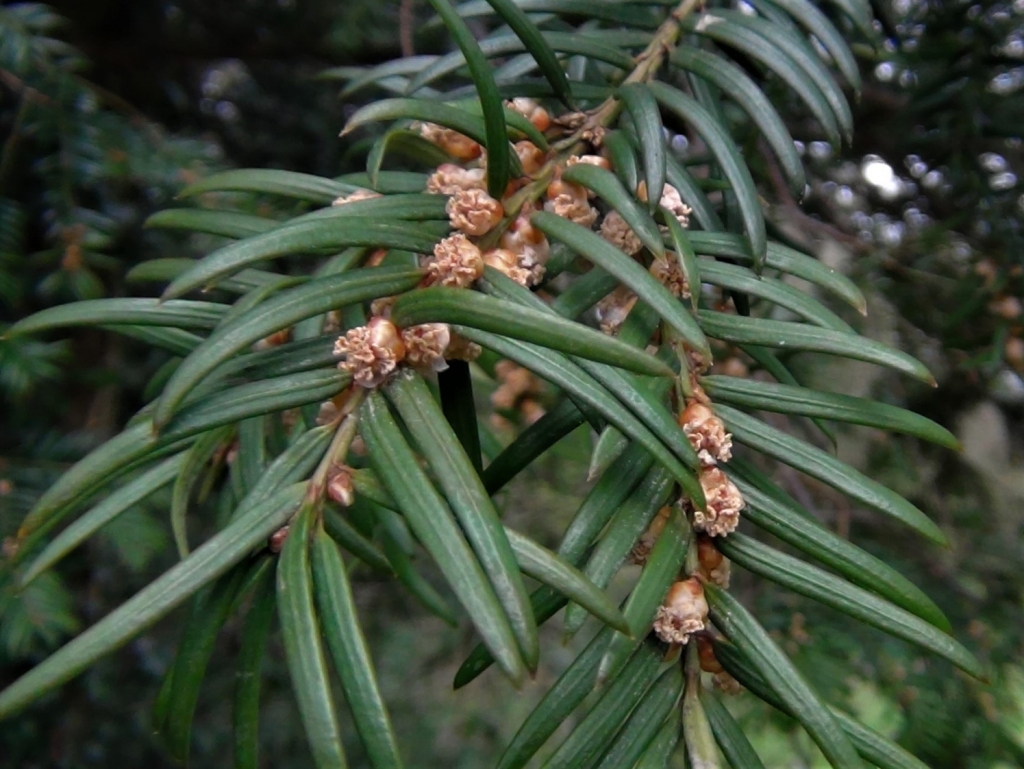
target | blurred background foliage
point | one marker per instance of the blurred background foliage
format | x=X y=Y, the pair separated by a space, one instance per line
x=107 y=108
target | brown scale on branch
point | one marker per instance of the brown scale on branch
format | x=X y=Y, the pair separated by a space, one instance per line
x=642 y=549
x=355 y=197
x=706 y=433
x=613 y=310
x=474 y=212
x=714 y=566
x=457 y=263
x=371 y=353
x=666 y=270
x=455 y=144
x=426 y=345
x=683 y=612
x=615 y=230
x=710 y=664
x=450 y=178
x=724 y=503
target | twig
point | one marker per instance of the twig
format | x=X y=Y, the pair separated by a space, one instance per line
x=406 y=19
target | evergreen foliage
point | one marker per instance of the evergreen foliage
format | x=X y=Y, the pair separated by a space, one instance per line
x=318 y=390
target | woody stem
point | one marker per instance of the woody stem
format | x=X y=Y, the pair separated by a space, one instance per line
x=346 y=431
x=647 y=64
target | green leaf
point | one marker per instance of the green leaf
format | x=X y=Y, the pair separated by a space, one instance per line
x=389 y=182
x=877 y=749
x=404 y=142
x=470 y=502
x=82 y=479
x=826 y=468
x=596 y=730
x=584 y=292
x=438 y=304
x=565 y=374
x=246 y=712
x=227 y=224
x=621 y=154
x=630 y=17
x=166 y=270
x=546 y=603
x=859 y=12
x=609 y=446
x=501 y=45
x=290 y=184
x=209 y=613
x=455 y=385
x=435 y=527
x=603 y=500
x=770 y=362
x=90 y=522
x=252 y=299
x=189 y=473
x=340 y=624
x=493 y=111
x=799 y=336
x=762 y=481
x=818 y=584
x=819 y=25
x=558 y=422
x=290 y=358
x=301 y=631
x=350 y=538
x=725 y=31
x=685 y=255
x=252 y=449
x=600 y=252
x=778 y=519
x=644 y=400
x=300 y=237
x=751 y=639
x=607 y=187
x=367 y=483
x=790 y=399
x=804 y=56
x=253 y=399
x=787 y=260
x=643 y=109
x=729 y=159
x=740 y=279
x=734 y=81
x=629 y=522
x=144 y=312
x=547 y=568
x=644 y=723
x=215 y=557
x=700 y=744
x=880 y=751
x=561 y=699
x=357 y=80
x=661 y=569
x=518 y=127
x=294 y=464
x=456 y=118
x=729 y=735
x=415 y=582
x=281 y=311
x=541 y=50
x=661 y=749
x=405 y=206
